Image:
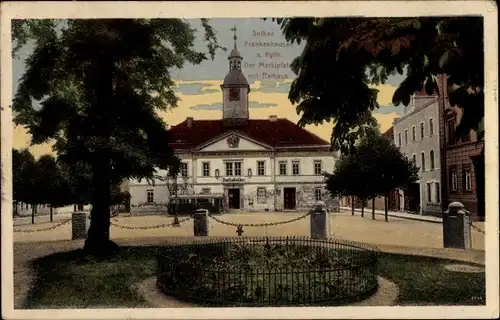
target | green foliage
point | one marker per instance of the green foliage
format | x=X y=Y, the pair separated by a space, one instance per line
x=267 y=273
x=332 y=83
x=65 y=280
x=47 y=181
x=376 y=168
x=100 y=84
x=23 y=171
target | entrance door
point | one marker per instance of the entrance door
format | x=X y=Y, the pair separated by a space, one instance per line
x=412 y=198
x=234 y=198
x=289 y=198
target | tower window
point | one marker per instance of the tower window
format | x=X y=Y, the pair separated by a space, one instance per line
x=234 y=94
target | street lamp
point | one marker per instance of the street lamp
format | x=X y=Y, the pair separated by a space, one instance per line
x=172 y=187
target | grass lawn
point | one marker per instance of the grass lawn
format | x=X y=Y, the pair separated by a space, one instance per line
x=67 y=280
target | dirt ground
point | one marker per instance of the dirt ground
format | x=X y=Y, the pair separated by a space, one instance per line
x=403 y=232
x=397 y=236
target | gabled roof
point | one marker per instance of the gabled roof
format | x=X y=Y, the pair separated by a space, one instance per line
x=389 y=134
x=280 y=133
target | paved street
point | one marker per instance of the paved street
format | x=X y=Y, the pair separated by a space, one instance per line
x=401 y=232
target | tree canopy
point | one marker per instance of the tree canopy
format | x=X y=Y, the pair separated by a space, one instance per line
x=100 y=83
x=377 y=168
x=344 y=56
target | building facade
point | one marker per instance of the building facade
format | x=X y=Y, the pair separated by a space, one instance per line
x=417 y=134
x=257 y=164
x=462 y=160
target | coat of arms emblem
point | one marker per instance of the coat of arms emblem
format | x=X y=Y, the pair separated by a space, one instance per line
x=233 y=141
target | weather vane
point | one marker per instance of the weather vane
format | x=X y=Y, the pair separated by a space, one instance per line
x=234 y=37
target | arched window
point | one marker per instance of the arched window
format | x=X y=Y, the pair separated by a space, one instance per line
x=422 y=167
x=431 y=154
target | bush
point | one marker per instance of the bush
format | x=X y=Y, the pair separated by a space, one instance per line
x=266 y=272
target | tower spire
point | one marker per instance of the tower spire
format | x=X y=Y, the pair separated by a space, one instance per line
x=234 y=35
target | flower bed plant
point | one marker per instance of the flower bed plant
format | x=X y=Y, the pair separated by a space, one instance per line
x=270 y=271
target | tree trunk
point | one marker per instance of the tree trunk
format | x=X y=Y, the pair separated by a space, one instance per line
x=80 y=207
x=373 y=208
x=101 y=80
x=32 y=214
x=362 y=208
x=97 y=242
x=352 y=205
x=74 y=208
x=51 y=213
x=385 y=207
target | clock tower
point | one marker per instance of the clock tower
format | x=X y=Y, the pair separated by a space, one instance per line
x=235 y=90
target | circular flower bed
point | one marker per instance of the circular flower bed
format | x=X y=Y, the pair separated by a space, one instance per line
x=247 y=271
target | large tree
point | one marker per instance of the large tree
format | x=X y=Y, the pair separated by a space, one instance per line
x=100 y=84
x=375 y=169
x=344 y=56
x=23 y=173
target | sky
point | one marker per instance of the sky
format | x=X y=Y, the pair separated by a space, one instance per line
x=266 y=68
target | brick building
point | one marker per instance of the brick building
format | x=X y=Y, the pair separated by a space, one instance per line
x=462 y=161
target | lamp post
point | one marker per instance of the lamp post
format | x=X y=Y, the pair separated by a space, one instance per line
x=172 y=187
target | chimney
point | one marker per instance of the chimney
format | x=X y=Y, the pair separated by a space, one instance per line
x=189 y=122
x=273 y=118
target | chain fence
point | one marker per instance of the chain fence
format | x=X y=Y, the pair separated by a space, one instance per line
x=44 y=229
x=264 y=224
x=476 y=228
x=163 y=225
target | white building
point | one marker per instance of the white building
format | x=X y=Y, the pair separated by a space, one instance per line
x=258 y=164
x=416 y=133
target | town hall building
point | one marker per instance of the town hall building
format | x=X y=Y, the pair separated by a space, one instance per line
x=256 y=164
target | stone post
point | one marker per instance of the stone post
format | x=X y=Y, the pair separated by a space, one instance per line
x=200 y=223
x=319 y=219
x=78 y=225
x=456 y=227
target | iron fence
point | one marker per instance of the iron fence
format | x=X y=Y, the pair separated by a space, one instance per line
x=271 y=271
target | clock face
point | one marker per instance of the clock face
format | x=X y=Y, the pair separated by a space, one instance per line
x=234 y=94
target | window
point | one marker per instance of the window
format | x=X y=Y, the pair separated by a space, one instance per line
x=206 y=169
x=413 y=134
x=399 y=139
x=282 y=168
x=318 y=167
x=261 y=195
x=406 y=136
x=453 y=179
x=431 y=127
x=431 y=156
x=438 y=192
x=467 y=179
x=414 y=159
x=422 y=166
x=317 y=193
x=234 y=94
x=233 y=168
x=205 y=190
x=184 y=169
x=295 y=168
x=150 y=196
x=237 y=168
x=429 y=190
x=229 y=169
x=451 y=132
x=261 y=168
x=421 y=131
